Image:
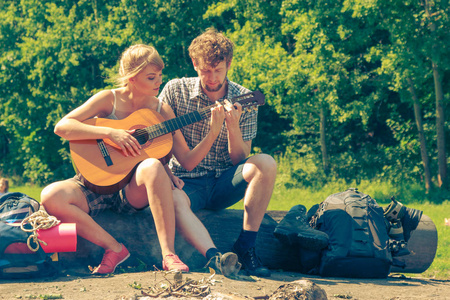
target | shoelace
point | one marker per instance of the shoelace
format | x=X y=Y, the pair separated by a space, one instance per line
x=254 y=258
x=216 y=261
x=106 y=261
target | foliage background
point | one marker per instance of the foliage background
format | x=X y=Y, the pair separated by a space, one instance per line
x=338 y=76
x=345 y=82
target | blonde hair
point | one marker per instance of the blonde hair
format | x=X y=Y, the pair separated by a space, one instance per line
x=134 y=60
x=4 y=185
x=211 y=48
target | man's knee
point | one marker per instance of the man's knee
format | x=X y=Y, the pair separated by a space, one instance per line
x=264 y=163
x=269 y=163
x=180 y=200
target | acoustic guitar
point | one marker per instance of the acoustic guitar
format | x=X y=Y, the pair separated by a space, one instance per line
x=103 y=166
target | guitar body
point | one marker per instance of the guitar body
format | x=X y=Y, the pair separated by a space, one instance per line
x=108 y=175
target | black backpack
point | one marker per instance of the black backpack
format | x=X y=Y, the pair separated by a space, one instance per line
x=358 y=236
x=17 y=260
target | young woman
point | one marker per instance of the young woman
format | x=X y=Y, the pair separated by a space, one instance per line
x=140 y=76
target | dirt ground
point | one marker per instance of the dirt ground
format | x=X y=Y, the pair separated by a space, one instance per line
x=135 y=285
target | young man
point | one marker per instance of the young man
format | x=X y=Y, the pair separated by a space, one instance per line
x=227 y=174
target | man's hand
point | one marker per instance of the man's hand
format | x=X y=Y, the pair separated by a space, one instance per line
x=177 y=182
x=238 y=149
x=217 y=117
x=232 y=115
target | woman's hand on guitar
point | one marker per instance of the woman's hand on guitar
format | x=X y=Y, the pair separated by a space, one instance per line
x=217 y=117
x=126 y=142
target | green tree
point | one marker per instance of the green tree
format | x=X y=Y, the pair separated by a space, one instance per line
x=55 y=64
x=341 y=87
x=437 y=21
x=344 y=81
x=58 y=54
x=418 y=53
x=259 y=63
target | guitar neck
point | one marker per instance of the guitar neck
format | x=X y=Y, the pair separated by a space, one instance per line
x=246 y=100
x=174 y=124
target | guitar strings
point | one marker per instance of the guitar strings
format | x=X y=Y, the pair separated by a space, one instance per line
x=151 y=132
x=169 y=125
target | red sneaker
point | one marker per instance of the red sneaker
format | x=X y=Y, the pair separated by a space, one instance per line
x=173 y=262
x=111 y=260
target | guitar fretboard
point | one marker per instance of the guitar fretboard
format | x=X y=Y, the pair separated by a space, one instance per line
x=165 y=127
x=168 y=126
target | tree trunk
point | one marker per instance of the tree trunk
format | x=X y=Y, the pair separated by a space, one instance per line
x=422 y=140
x=137 y=231
x=440 y=118
x=323 y=141
x=440 y=128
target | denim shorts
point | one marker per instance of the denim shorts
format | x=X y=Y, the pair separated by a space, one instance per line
x=209 y=192
x=97 y=203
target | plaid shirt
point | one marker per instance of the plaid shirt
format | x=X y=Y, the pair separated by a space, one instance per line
x=184 y=96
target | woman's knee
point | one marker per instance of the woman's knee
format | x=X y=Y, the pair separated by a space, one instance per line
x=150 y=168
x=49 y=195
x=56 y=195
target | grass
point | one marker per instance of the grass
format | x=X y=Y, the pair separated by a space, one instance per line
x=32 y=191
x=284 y=198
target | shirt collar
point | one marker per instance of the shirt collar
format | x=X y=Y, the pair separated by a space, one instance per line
x=197 y=91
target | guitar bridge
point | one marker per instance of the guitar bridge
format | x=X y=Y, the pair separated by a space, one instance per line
x=105 y=152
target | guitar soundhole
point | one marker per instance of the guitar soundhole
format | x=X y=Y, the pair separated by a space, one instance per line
x=142 y=137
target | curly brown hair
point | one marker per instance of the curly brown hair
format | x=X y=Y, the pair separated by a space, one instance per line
x=211 y=48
